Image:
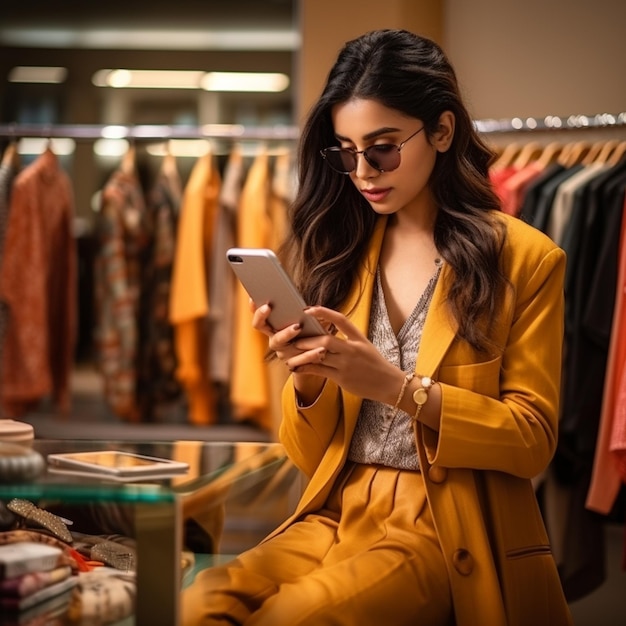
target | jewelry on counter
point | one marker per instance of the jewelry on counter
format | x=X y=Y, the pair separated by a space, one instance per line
x=33 y=514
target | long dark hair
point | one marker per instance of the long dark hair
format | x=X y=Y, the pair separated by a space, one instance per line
x=331 y=223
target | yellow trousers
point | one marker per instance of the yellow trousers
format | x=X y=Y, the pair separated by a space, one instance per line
x=371 y=557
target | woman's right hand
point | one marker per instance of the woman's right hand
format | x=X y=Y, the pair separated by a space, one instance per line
x=281 y=342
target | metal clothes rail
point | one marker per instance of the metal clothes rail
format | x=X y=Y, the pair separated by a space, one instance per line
x=149 y=132
x=160 y=132
x=551 y=122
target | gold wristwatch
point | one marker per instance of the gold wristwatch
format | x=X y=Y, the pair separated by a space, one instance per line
x=420 y=395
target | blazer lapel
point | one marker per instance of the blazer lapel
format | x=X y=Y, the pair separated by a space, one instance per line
x=440 y=329
x=357 y=308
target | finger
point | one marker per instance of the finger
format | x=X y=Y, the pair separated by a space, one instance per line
x=284 y=338
x=330 y=317
x=310 y=362
x=259 y=320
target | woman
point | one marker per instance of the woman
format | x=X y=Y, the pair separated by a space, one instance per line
x=421 y=421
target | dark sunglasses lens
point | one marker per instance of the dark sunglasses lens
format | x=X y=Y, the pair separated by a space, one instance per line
x=340 y=160
x=384 y=157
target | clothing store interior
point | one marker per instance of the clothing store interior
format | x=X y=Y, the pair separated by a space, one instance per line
x=167 y=133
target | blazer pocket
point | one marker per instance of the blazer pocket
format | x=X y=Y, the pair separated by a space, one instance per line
x=479 y=377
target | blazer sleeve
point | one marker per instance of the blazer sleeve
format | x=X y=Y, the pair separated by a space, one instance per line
x=306 y=432
x=502 y=414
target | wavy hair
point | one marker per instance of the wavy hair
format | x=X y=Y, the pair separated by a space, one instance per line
x=331 y=223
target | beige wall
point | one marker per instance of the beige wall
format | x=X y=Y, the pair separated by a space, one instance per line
x=326 y=24
x=513 y=58
x=538 y=57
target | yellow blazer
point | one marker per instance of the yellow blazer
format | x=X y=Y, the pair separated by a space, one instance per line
x=499 y=421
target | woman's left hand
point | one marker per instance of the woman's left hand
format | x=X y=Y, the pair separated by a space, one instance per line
x=348 y=358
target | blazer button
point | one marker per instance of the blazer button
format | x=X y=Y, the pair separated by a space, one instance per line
x=437 y=474
x=463 y=562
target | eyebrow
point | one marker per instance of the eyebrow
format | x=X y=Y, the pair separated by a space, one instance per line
x=385 y=130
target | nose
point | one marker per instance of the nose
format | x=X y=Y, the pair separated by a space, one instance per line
x=363 y=168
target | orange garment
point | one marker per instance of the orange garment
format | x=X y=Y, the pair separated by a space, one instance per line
x=38 y=287
x=189 y=297
x=280 y=197
x=605 y=477
x=249 y=392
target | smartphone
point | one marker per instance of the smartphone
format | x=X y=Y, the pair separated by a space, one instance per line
x=267 y=282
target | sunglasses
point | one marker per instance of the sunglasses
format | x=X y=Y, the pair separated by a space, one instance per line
x=383 y=157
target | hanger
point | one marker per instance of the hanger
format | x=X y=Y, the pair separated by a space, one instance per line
x=594 y=152
x=550 y=154
x=618 y=154
x=507 y=156
x=128 y=160
x=169 y=166
x=575 y=154
x=530 y=152
x=607 y=151
x=11 y=157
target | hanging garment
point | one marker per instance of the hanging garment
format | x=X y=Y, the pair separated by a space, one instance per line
x=607 y=475
x=122 y=239
x=222 y=282
x=539 y=214
x=513 y=188
x=250 y=393
x=562 y=204
x=282 y=192
x=590 y=302
x=8 y=171
x=156 y=371
x=38 y=287
x=189 y=297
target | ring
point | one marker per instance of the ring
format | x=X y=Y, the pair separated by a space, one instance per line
x=322 y=355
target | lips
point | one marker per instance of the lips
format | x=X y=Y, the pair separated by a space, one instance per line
x=376 y=194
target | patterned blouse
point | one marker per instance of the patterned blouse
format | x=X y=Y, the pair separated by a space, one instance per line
x=380 y=436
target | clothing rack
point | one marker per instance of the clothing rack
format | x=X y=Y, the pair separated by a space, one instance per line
x=551 y=122
x=282 y=132
x=149 y=132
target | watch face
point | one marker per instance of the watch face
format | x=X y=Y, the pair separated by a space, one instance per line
x=420 y=396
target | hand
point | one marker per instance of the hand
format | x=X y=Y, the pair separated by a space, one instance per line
x=347 y=358
x=280 y=342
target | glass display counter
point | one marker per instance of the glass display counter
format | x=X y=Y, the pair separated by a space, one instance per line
x=231 y=496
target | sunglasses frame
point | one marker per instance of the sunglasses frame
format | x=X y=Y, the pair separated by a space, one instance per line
x=355 y=154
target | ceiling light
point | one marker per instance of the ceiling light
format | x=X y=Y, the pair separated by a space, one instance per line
x=37 y=145
x=110 y=147
x=244 y=81
x=148 y=79
x=287 y=39
x=37 y=74
x=191 y=79
x=180 y=148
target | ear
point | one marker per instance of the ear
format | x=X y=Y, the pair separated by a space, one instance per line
x=442 y=138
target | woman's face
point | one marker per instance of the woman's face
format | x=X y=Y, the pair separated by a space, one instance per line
x=361 y=123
